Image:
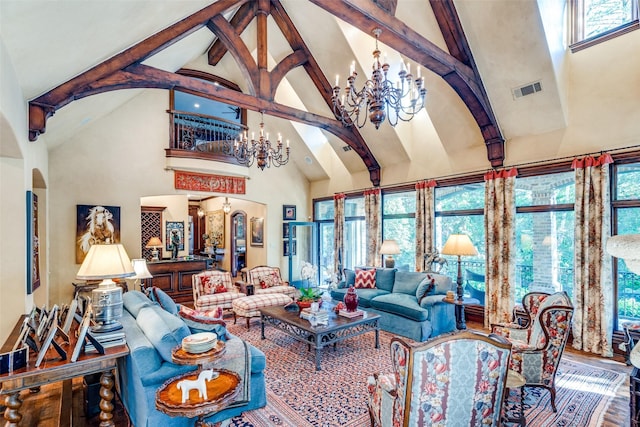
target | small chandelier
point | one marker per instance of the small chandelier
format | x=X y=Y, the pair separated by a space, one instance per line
x=248 y=152
x=226 y=206
x=379 y=96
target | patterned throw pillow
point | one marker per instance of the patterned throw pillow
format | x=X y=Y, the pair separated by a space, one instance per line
x=201 y=315
x=266 y=281
x=220 y=288
x=210 y=285
x=365 y=279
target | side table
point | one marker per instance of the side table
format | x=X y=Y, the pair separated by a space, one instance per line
x=459 y=305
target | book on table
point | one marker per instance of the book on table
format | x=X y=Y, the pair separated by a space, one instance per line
x=351 y=314
x=306 y=313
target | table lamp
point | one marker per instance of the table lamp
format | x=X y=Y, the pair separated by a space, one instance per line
x=389 y=248
x=106 y=262
x=153 y=243
x=459 y=245
x=142 y=272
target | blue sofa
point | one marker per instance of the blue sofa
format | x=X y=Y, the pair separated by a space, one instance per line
x=409 y=303
x=152 y=332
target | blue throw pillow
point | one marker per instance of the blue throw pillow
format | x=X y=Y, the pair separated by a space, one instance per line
x=349 y=277
x=385 y=278
x=426 y=287
x=406 y=282
x=165 y=331
x=165 y=301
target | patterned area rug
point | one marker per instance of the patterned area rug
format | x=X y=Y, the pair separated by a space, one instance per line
x=300 y=396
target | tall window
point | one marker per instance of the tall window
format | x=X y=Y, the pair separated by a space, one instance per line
x=460 y=210
x=399 y=224
x=544 y=233
x=323 y=214
x=355 y=231
x=625 y=201
x=593 y=20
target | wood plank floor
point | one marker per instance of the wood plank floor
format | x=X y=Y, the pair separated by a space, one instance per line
x=42 y=409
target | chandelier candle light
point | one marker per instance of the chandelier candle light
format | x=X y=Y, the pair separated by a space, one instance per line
x=459 y=245
x=379 y=96
x=247 y=152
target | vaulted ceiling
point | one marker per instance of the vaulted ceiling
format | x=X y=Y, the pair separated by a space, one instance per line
x=73 y=59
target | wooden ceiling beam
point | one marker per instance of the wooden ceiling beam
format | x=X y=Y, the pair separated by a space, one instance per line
x=44 y=106
x=240 y=21
x=367 y=16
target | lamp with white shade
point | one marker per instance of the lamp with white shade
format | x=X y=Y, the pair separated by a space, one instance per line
x=459 y=245
x=106 y=262
x=154 y=243
x=389 y=248
x=142 y=272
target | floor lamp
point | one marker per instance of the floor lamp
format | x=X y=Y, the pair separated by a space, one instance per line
x=459 y=245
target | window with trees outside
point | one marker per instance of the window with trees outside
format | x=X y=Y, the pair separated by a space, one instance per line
x=355 y=232
x=625 y=219
x=598 y=20
x=544 y=233
x=399 y=224
x=323 y=214
x=460 y=210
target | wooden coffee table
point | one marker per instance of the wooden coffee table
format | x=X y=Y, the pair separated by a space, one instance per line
x=338 y=328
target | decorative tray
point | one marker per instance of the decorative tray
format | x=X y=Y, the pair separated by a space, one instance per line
x=220 y=391
x=181 y=357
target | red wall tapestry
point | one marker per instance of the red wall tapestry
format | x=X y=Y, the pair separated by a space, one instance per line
x=206 y=182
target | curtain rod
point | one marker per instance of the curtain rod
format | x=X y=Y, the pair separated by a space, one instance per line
x=482 y=171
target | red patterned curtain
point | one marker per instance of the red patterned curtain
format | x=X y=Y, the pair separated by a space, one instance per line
x=425 y=217
x=338 y=233
x=500 y=238
x=373 y=225
x=593 y=288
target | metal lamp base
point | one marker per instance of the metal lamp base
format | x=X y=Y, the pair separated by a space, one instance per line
x=389 y=262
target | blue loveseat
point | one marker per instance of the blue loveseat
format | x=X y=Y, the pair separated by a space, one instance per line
x=409 y=303
x=151 y=332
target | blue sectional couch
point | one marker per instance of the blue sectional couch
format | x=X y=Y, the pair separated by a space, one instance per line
x=151 y=332
x=399 y=298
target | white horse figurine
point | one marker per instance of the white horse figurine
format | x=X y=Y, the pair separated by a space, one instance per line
x=187 y=385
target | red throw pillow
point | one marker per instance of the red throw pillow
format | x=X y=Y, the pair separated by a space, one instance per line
x=365 y=279
x=220 y=288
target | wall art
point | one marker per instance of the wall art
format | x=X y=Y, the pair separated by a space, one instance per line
x=257 y=231
x=96 y=224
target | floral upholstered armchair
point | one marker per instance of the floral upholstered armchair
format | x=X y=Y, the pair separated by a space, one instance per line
x=538 y=347
x=212 y=289
x=456 y=378
x=267 y=280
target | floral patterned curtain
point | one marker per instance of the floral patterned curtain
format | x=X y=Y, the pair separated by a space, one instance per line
x=338 y=233
x=373 y=225
x=425 y=217
x=500 y=239
x=593 y=288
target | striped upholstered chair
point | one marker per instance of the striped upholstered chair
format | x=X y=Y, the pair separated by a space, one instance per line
x=538 y=346
x=267 y=280
x=454 y=379
x=212 y=289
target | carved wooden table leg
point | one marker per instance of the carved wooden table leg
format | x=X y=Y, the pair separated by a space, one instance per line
x=11 y=414
x=106 y=396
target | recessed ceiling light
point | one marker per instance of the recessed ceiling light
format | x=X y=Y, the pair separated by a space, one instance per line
x=308 y=160
x=196 y=105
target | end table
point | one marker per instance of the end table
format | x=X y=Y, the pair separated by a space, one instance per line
x=459 y=304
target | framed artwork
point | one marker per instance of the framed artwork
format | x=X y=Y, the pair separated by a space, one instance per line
x=285 y=231
x=174 y=234
x=215 y=227
x=288 y=212
x=257 y=231
x=51 y=333
x=95 y=224
x=33 y=247
x=82 y=335
x=288 y=251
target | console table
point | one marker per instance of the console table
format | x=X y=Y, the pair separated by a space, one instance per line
x=174 y=276
x=53 y=370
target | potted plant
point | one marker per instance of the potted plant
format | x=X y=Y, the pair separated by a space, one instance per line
x=309 y=295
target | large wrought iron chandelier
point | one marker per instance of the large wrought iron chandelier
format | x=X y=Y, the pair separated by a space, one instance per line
x=380 y=97
x=260 y=151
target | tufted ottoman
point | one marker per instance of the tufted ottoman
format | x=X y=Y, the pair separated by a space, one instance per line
x=248 y=306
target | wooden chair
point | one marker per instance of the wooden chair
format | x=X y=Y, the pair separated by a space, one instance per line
x=458 y=378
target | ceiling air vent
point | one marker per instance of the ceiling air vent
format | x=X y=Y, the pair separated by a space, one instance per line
x=347 y=148
x=528 y=89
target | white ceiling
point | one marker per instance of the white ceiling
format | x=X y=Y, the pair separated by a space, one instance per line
x=51 y=42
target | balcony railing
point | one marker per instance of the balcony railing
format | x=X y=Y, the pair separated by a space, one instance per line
x=204 y=137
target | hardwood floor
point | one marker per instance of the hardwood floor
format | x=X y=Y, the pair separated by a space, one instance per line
x=42 y=409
